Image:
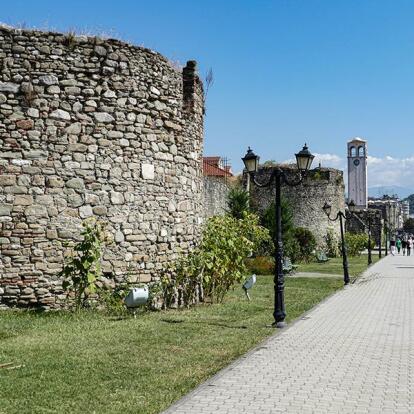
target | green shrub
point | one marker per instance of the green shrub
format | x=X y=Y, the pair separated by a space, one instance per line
x=332 y=243
x=261 y=265
x=306 y=244
x=83 y=266
x=356 y=243
x=268 y=220
x=218 y=263
x=238 y=202
x=226 y=243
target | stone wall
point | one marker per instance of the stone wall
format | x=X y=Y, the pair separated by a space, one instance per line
x=92 y=127
x=216 y=190
x=307 y=199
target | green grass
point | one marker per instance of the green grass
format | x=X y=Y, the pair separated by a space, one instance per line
x=89 y=362
x=334 y=266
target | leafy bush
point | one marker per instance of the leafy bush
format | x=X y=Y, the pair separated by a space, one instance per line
x=332 y=243
x=83 y=267
x=218 y=263
x=261 y=265
x=268 y=220
x=356 y=243
x=306 y=244
x=238 y=202
x=226 y=243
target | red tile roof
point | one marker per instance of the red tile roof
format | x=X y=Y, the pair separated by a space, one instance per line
x=211 y=168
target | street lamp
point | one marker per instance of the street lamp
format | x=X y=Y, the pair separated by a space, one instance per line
x=369 y=220
x=304 y=161
x=327 y=208
x=386 y=235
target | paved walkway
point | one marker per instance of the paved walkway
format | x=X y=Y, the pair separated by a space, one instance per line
x=354 y=353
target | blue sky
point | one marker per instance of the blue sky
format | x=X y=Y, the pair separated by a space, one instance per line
x=285 y=71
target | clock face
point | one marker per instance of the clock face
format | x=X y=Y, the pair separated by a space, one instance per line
x=356 y=163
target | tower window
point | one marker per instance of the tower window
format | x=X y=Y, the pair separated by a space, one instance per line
x=352 y=152
x=361 y=151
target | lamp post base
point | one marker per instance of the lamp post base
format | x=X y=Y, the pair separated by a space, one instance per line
x=279 y=325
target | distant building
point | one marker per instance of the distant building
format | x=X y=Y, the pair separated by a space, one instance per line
x=392 y=211
x=216 y=173
x=405 y=210
x=216 y=167
x=357 y=173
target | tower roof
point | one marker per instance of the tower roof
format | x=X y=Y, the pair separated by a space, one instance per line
x=357 y=140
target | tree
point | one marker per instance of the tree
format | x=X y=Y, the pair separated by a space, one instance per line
x=268 y=220
x=238 y=202
x=409 y=225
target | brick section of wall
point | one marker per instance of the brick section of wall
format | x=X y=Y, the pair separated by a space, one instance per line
x=92 y=127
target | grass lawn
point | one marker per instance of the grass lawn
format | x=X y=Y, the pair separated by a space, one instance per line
x=334 y=266
x=92 y=363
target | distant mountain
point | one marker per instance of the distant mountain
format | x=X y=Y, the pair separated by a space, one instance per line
x=401 y=192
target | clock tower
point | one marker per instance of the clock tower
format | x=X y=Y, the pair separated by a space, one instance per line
x=357 y=173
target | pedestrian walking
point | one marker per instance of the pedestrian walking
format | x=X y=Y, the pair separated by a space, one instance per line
x=404 y=246
x=398 y=245
x=409 y=246
x=392 y=246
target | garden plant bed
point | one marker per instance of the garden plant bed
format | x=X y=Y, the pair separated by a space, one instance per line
x=89 y=362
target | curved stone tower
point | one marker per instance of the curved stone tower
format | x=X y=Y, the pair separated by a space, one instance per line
x=307 y=199
x=92 y=127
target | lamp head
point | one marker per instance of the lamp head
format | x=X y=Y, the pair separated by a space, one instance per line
x=352 y=206
x=304 y=159
x=327 y=208
x=251 y=161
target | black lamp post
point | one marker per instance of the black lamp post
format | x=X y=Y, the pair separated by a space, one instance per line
x=327 y=208
x=369 y=219
x=251 y=161
x=380 y=235
x=386 y=236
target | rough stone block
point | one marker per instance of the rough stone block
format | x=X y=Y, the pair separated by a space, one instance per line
x=23 y=200
x=85 y=211
x=103 y=117
x=147 y=171
x=7 y=180
x=48 y=80
x=9 y=87
x=60 y=115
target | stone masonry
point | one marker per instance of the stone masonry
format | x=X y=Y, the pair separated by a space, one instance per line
x=92 y=127
x=307 y=199
x=216 y=192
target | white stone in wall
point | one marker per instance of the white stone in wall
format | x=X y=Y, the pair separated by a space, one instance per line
x=147 y=171
x=85 y=211
x=117 y=198
x=171 y=207
x=154 y=90
x=9 y=87
x=33 y=112
x=48 y=80
x=60 y=115
x=103 y=117
x=74 y=129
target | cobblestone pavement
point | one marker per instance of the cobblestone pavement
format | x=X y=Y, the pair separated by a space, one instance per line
x=354 y=353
